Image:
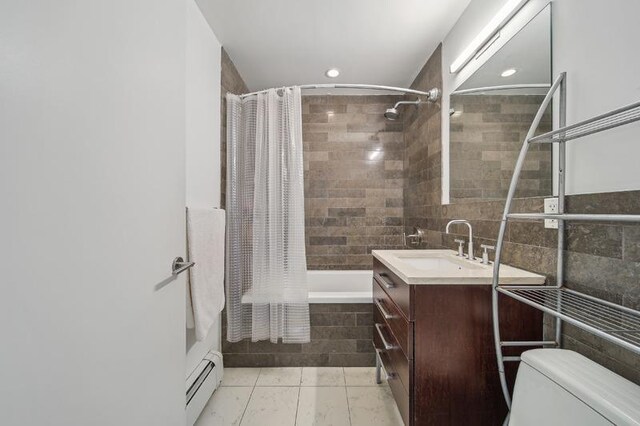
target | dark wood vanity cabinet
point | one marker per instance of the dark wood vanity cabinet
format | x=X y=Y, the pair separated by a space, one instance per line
x=436 y=344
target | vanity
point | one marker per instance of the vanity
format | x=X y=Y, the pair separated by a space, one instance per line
x=434 y=337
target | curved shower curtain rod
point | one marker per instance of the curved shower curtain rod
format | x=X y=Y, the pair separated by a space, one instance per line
x=431 y=95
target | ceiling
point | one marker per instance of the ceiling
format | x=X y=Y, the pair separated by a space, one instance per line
x=288 y=42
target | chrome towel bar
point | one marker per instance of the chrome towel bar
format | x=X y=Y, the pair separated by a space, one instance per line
x=179 y=265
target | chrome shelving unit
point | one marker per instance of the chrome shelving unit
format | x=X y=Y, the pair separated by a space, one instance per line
x=610 y=321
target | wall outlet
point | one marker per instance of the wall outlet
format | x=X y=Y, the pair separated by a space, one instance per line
x=551 y=206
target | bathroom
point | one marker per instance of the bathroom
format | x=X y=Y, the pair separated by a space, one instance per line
x=320 y=213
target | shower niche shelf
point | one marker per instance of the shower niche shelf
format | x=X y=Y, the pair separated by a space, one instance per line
x=609 y=321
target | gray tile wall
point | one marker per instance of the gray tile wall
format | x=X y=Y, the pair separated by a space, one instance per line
x=423 y=153
x=230 y=82
x=353 y=180
x=341 y=336
x=486 y=134
x=601 y=259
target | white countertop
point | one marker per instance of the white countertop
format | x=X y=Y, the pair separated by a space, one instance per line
x=445 y=267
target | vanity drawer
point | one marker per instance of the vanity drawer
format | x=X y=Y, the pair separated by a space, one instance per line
x=398 y=290
x=400 y=364
x=400 y=327
x=400 y=393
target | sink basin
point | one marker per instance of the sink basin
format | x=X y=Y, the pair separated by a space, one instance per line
x=430 y=262
x=445 y=267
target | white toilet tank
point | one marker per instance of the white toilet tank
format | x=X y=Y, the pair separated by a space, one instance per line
x=561 y=387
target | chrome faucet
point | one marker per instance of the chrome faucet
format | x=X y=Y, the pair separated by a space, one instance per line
x=416 y=238
x=466 y=222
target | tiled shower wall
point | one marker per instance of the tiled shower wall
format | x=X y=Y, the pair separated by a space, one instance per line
x=231 y=82
x=486 y=134
x=423 y=154
x=353 y=180
x=601 y=259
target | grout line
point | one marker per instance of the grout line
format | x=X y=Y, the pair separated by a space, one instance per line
x=295 y=419
x=257 y=377
x=346 y=394
x=247 y=406
x=250 y=396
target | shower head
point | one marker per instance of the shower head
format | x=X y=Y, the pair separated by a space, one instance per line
x=391 y=114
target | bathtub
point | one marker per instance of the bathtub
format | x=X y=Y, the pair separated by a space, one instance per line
x=340 y=286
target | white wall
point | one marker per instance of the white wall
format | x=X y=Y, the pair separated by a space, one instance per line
x=593 y=41
x=596 y=43
x=203 y=138
x=202 y=111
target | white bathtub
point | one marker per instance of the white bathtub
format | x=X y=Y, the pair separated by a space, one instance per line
x=340 y=286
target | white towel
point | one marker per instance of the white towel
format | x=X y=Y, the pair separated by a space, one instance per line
x=205 y=239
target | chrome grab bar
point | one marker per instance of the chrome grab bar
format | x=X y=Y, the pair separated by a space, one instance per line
x=383 y=280
x=384 y=312
x=179 y=265
x=387 y=345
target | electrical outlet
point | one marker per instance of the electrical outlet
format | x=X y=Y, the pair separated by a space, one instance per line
x=551 y=206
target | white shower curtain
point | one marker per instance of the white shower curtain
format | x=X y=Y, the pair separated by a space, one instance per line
x=266 y=274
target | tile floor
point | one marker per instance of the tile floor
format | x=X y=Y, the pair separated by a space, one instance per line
x=301 y=396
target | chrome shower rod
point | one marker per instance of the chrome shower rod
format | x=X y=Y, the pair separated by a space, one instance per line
x=353 y=86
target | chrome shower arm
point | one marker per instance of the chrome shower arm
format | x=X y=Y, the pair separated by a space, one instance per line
x=416 y=102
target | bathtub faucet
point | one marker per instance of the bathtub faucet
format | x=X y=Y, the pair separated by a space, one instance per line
x=466 y=222
x=416 y=238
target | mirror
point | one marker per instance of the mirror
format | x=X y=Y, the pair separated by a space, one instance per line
x=490 y=115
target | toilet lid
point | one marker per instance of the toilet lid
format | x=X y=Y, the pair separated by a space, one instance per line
x=614 y=397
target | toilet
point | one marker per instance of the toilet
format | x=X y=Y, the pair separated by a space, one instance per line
x=562 y=387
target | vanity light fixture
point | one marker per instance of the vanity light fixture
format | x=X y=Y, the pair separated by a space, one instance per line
x=488 y=32
x=509 y=72
x=332 y=72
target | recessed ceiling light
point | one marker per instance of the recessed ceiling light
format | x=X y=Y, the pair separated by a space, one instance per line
x=509 y=72
x=332 y=73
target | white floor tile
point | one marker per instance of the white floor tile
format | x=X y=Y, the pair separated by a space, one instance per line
x=322 y=376
x=360 y=376
x=287 y=376
x=272 y=406
x=226 y=407
x=240 y=376
x=370 y=405
x=323 y=406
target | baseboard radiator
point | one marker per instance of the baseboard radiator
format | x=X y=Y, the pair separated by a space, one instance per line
x=201 y=384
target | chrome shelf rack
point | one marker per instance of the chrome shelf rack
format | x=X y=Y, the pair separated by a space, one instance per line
x=610 y=321
x=621 y=325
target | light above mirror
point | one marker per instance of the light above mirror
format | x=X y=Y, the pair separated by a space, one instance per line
x=488 y=32
x=508 y=72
